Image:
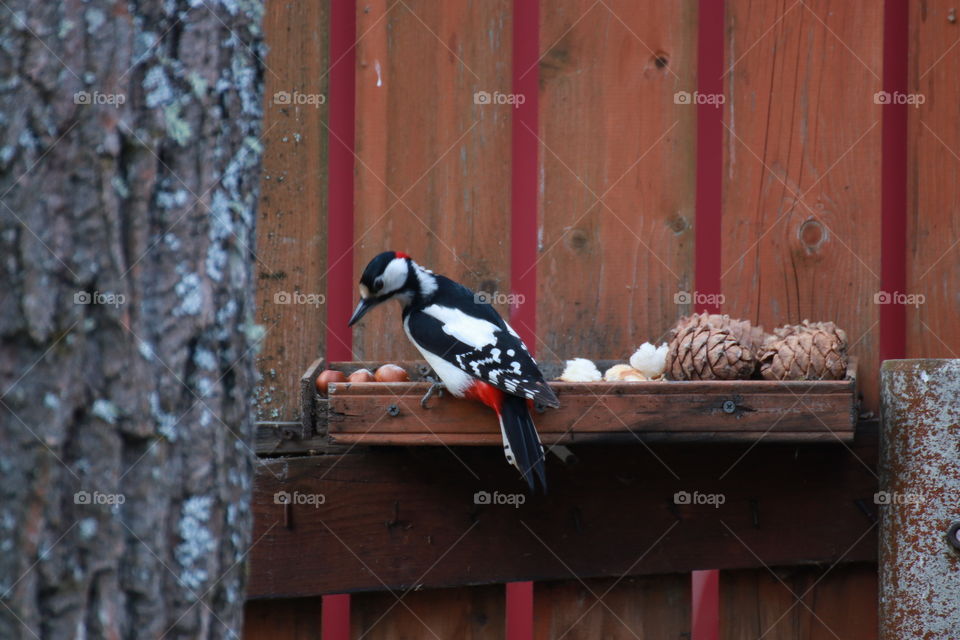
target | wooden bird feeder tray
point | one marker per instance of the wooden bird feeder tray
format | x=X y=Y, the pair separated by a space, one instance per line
x=743 y=410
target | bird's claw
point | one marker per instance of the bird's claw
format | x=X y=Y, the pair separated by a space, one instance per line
x=435 y=388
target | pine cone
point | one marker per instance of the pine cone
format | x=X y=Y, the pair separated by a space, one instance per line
x=742 y=331
x=808 y=351
x=813 y=327
x=707 y=353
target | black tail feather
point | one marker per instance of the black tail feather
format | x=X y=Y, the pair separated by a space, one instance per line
x=523 y=441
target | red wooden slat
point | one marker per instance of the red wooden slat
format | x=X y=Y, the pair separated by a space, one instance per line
x=336 y=608
x=709 y=157
x=523 y=237
x=523 y=202
x=707 y=269
x=706 y=605
x=340 y=285
x=893 y=209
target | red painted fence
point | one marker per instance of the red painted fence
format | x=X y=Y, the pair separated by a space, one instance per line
x=648 y=159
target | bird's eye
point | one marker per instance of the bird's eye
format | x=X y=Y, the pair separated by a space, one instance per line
x=378 y=284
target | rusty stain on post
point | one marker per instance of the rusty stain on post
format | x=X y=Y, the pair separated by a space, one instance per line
x=920 y=489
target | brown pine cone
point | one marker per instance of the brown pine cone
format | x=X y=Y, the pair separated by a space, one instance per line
x=742 y=330
x=813 y=327
x=707 y=353
x=811 y=351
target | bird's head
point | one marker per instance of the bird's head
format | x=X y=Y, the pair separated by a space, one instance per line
x=391 y=274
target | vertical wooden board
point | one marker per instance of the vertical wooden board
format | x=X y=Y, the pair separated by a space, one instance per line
x=608 y=271
x=654 y=607
x=933 y=209
x=433 y=166
x=288 y=619
x=841 y=603
x=467 y=613
x=291 y=245
x=802 y=127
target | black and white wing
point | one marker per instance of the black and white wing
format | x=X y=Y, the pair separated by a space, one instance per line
x=457 y=331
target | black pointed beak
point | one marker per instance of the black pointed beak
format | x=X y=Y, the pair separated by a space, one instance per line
x=365 y=305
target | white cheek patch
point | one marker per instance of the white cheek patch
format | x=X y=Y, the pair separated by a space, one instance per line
x=394 y=276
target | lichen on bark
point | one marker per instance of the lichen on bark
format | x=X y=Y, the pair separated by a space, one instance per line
x=129 y=157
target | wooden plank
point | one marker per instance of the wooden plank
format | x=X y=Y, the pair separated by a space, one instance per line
x=344 y=441
x=613 y=608
x=291 y=227
x=390 y=514
x=376 y=413
x=308 y=398
x=801 y=121
x=287 y=619
x=606 y=411
x=933 y=264
x=432 y=171
x=468 y=613
x=835 y=603
x=618 y=262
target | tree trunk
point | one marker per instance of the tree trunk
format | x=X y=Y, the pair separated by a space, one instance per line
x=129 y=161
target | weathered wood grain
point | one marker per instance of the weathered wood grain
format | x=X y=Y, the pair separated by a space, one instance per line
x=933 y=264
x=611 y=131
x=408 y=516
x=590 y=408
x=470 y=613
x=433 y=170
x=613 y=608
x=287 y=619
x=291 y=248
x=833 y=603
x=801 y=206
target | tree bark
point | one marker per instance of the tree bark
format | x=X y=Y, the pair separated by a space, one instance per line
x=129 y=159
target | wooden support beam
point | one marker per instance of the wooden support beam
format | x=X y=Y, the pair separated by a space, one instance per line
x=398 y=517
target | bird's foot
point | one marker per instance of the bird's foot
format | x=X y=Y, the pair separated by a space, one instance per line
x=435 y=388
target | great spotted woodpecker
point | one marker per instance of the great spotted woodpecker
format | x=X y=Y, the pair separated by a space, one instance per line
x=474 y=352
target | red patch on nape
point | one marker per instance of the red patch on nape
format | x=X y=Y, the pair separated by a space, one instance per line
x=400 y=254
x=485 y=393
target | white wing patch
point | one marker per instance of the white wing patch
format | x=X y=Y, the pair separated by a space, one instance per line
x=472 y=331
